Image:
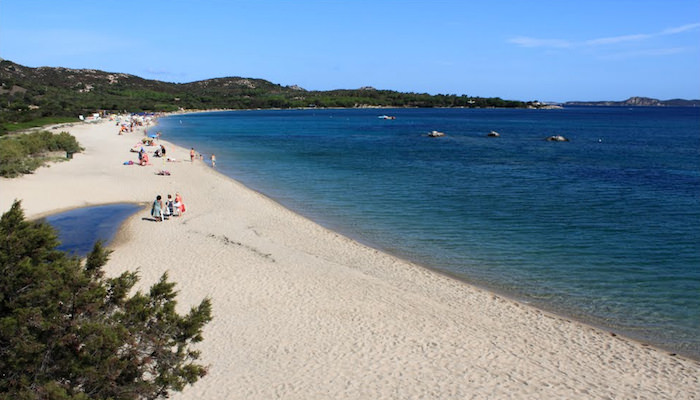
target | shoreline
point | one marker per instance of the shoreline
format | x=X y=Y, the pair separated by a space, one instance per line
x=562 y=313
x=301 y=311
x=669 y=336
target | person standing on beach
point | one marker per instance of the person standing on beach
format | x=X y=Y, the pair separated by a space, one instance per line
x=213 y=161
x=178 y=205
x=169 y=205
x=157 y=209
x=192 y=154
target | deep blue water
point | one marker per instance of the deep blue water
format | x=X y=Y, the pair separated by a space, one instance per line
x=79 y=229
x=605 y=227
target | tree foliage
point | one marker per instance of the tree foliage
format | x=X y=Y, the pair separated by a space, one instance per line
x=69 y=332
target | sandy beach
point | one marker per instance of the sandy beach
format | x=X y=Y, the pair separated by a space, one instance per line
x=301 y=312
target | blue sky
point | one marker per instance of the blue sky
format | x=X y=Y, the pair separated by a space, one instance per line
x=515 y=49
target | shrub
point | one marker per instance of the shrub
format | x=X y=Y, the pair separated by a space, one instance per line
x=66 y=141
x=67 y=332
x=20 y=154
x=14 y=159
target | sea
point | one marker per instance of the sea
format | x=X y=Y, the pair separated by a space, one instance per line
x=603 y=228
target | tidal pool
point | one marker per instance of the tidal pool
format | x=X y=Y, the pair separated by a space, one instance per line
x=79 y=229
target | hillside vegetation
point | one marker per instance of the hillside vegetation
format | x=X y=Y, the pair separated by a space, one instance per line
x=29 y=94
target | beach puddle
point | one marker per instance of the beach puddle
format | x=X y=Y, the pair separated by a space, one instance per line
x=79 y=229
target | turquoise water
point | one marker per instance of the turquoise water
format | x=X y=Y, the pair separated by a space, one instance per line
x=604 y=228
x=79 y=229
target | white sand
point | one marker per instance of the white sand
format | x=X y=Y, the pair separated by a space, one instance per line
x=301 y=312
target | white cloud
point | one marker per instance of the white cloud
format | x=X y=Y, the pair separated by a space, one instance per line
x=680 y=29
x=563 y=43
x=645 y=53
x=616 y=39
x=525 y=41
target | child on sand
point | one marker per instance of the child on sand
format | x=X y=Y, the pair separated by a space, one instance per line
x=157 y=209
x=178 y=205
x=166 y=209
x=169 y=205
x=192 y=154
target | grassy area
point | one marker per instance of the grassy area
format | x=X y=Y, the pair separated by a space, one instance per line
x=18 y=126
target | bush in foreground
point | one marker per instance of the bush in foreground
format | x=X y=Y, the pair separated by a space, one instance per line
x=68 y=332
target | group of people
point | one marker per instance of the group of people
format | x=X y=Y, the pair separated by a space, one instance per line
x=193 y=156
x=160 y=152
x=143 y=155
x=171 y=207
x=126 y=128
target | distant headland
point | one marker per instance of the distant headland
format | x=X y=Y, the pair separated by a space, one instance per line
x=638 y=102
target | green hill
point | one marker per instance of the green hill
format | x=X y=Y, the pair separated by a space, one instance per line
x=38 y=94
